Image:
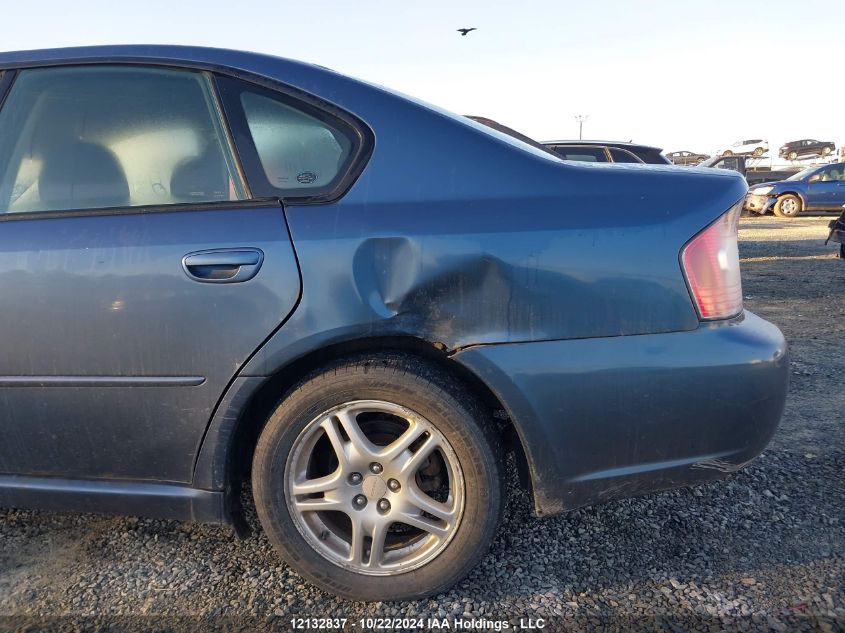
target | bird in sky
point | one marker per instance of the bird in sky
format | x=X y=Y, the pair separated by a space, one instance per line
x=463 y=32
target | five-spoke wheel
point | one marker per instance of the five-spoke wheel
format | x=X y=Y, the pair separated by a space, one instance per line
x=378 y=478
x=374 y=487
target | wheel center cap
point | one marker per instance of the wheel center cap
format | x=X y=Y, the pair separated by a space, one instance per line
x=374 y=487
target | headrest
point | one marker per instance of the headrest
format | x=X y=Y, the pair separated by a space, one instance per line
x=78 y=175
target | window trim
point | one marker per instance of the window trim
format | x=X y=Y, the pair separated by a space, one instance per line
x=637 y=160
x=233 y=160
x=176 y=207
x=7 y=78
x=230 y=90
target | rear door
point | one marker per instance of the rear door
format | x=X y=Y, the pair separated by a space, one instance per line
x=137 y=273
x=824 y=189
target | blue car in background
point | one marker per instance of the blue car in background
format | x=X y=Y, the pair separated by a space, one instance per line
x=222 y=269
x=819 y=188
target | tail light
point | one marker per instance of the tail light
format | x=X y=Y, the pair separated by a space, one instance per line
x=711 y=264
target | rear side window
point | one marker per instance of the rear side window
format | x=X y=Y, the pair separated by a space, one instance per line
x=289 y=148
x=112 y=136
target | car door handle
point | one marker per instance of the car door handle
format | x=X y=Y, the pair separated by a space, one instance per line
x=223 y=266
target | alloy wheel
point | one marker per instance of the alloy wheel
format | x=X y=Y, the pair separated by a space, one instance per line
x=374 y=487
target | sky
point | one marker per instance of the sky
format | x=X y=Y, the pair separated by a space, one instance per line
x=680 y=74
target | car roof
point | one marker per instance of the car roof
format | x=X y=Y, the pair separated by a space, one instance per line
x=302 y=75
x=139 y=52
x=622 y=144
x=814 y=169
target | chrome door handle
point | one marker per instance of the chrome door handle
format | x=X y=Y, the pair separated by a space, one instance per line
x=223 y=266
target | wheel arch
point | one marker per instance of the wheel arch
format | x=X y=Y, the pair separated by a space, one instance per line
x=226 y=453
x=795 y=193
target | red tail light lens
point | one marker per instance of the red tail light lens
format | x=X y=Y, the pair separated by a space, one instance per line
x=711 y=264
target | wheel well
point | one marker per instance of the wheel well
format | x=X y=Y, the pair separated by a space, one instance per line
x=262 y=403
x=796 y=194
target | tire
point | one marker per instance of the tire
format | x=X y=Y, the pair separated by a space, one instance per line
x=826 y=151
x=792 y=155
x=787 y=206
x=371 y=394
x=758 y=151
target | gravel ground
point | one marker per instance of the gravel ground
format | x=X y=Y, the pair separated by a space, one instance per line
x=764 y=550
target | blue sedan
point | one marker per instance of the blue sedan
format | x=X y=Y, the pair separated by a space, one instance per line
x=223 y=270
x=813 y=189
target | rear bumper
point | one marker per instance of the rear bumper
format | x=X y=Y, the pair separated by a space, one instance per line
x=605 y=418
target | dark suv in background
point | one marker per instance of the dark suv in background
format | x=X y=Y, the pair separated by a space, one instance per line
x=585 y=151
x=608 y=152
x=806 y=147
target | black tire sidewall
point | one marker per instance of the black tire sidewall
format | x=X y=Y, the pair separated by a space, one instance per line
x=413 y=385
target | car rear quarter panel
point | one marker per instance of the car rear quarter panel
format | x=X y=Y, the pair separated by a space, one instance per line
x=610 y=417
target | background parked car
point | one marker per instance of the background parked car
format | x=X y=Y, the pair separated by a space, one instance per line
x=686 y=158
x=806 y=147
x=754 y=174
x=753 y=147
x=594 y=154
x=608 y=152
x=585 y=151
x=819 y=188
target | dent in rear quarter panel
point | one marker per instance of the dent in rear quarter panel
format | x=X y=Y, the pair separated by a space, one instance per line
x=610 y=417
x=587 y=254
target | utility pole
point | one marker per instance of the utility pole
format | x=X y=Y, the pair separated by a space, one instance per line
x=581 y=118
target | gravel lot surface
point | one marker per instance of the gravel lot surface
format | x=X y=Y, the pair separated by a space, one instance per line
x=763 y=550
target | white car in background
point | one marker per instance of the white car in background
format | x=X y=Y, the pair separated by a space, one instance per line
x=754 y=147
